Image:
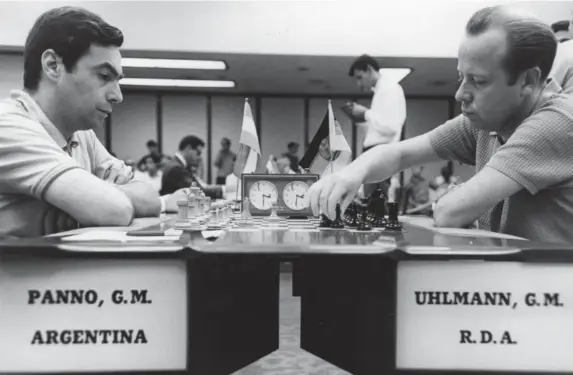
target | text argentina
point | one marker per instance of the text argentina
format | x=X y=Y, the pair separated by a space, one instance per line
x=462 y=298
x=97 y=336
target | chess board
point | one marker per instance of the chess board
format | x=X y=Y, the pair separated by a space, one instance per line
x=234 y=223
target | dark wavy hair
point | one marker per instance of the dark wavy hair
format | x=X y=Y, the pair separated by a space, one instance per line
x=69 y=31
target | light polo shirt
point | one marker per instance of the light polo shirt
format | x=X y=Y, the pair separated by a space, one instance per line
x=387 y=114
x=538 y=156
x=32 y=156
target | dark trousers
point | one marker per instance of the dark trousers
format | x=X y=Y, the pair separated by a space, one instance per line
x=372 y=187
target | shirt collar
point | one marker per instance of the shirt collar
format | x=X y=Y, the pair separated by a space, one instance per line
x=181 y=158
x=378 y=82
x=550 y=89
x=32 y=107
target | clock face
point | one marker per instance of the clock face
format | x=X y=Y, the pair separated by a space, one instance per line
x=263 y=194
x=295 y=195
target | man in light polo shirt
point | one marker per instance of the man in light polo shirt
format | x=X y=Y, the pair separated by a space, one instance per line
x=516 y=128
x=54 y=173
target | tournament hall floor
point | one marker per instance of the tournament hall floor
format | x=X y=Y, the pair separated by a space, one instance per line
x=290 y=359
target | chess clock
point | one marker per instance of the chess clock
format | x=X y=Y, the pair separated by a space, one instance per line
x=289 y=191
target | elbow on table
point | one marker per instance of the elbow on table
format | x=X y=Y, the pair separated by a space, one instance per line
x=445 y=217
x=117 y=214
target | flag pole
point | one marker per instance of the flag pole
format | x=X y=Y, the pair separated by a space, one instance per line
x=329 y=145
x=240 y=155
x=239 y=176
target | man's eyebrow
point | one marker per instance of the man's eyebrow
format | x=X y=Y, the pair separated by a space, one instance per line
x=110 y=67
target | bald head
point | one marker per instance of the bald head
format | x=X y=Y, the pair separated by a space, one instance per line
x=530 y=42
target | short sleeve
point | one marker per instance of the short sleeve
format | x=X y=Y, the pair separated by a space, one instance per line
x=539 y=153
x=29 y=159
x=455 y=140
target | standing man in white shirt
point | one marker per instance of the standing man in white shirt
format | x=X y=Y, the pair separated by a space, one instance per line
x=562 y=70
x=387 y=114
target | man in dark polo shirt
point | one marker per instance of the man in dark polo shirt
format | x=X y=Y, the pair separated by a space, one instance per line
x=516 y=129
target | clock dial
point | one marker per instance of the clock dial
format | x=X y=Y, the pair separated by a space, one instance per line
x=263 y=194
x=295 y=195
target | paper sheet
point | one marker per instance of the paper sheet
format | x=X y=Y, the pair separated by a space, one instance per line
x=117 y=236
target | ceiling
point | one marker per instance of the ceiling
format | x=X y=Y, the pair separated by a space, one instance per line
x=287 y=47
x=310 y=75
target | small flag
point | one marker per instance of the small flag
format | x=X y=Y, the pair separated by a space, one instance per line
x=250 y=150
x=328 y=151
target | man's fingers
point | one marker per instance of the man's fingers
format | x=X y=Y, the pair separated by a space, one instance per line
x=107 y=172
x=325 y=197
x=314 y=196
x=345 y=203
x=334 y=199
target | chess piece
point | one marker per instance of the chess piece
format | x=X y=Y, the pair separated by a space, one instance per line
x=393 y=224
x=273 y=218
x=379 y=207
x=337 y=222
x=182 y=215
x=214 y=222
x=246 y=213
x=246 y=217
x=353 y=221
x=325 y=222
x=195 y=189
x=364 y=223
x=347 y=213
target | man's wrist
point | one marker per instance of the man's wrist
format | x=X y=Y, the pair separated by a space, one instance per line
x=163 y=199
x=366 y=116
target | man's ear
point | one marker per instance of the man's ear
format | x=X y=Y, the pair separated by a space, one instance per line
x=52 y=65
x=531 y=79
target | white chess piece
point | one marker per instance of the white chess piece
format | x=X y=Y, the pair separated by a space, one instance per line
x=246 y=212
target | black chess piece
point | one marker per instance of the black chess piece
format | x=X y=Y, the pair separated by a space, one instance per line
x=337 y=223
x=348 y=213
x=364 y=223
x=393 y=224
x=325 y=222
x=353 y=221
x=379 y=208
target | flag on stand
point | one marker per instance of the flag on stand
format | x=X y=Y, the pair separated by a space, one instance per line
x=328 y=152
x=249 y=149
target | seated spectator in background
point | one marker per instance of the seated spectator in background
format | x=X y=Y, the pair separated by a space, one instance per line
x=56 y=175
x=284 y=165
x=443 y=183
x=151 y=174
x=224 y=161
x=153 y=149
x=232 y=184
x=178 y=173
x=292 y=155
x=182 y=170
x=417 y=193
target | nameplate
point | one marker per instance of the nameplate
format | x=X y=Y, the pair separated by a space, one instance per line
x=92 y=315
x=492 y=316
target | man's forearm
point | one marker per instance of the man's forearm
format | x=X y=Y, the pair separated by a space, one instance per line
x=368 y=164
x=384 y=161
x=145 y=199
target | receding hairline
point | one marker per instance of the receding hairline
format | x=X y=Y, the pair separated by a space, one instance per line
x=506 y=14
